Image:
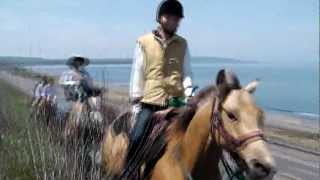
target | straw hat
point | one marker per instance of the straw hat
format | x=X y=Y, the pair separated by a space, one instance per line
x=73 y=59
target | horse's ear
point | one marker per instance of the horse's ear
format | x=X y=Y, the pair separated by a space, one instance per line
x=220 y=77
x=226 y=77
x=252 y=86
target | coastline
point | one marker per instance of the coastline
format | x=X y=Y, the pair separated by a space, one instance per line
x=280 y=127
x=265 y=98
x=291 y=148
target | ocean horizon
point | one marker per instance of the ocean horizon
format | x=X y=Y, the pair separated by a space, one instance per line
x=292 y=89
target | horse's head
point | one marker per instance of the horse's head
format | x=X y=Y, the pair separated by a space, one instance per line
x=239 y=126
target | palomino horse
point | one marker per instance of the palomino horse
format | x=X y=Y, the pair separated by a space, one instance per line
x=224 y=116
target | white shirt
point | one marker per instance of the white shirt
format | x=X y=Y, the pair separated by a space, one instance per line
x=48 y=91
x=45 y=91
x=38 y=89
x=137 y=74
x=73 y=77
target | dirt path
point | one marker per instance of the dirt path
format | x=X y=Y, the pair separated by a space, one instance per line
x=295 y=165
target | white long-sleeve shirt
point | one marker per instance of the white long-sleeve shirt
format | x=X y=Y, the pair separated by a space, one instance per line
x=73 y=77
x=49 y=92
x=137 y=74
x=37 y=90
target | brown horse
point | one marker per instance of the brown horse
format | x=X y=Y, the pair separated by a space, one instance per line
x=225 y=117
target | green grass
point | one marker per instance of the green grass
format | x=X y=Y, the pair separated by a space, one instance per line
x=23 y=142
x=31 y=150
x=14 y=146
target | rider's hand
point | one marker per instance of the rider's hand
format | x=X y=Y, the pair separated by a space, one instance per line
x=189 y=92
x=186 y=99
x=136 y=105
x=135 y=100
x=136 y=108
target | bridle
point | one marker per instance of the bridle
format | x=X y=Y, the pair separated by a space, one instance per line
x=232 y=144
x=217 y=126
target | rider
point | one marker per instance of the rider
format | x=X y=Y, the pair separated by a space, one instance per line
x=37 y=93
x=77 y=82
x=161 y=71
x=48 y=93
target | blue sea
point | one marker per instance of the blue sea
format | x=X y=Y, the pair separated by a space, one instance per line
x=287 y=88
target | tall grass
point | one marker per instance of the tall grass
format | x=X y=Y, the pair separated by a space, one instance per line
x=30 y=149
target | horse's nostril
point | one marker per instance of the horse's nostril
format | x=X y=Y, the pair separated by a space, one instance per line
x=259 y=169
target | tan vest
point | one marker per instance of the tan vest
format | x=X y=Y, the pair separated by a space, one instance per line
x=163 y=68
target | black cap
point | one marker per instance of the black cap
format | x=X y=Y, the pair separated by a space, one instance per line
x=172 y=7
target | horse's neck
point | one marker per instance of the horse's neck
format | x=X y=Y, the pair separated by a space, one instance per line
x=196 y=136
x=207 y=165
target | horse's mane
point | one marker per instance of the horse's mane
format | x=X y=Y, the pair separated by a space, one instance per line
x=185 y=115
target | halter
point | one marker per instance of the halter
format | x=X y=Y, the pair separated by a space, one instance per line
x=232 y=143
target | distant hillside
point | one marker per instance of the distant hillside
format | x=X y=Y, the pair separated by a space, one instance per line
x=42 y=61
x=220 y=60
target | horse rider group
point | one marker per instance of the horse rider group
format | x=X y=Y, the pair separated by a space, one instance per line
x=44 y=92
x=161 y=73
x=76 y=83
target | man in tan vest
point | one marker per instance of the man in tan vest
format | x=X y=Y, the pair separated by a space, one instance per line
x=161 y=70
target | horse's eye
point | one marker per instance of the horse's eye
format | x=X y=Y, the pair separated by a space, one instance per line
x=231 y=116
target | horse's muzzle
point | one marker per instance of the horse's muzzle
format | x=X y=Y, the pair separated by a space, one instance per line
x=261 y=170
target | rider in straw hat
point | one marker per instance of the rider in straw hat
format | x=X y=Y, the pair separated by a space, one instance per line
x=77 y=77
x=161 y=70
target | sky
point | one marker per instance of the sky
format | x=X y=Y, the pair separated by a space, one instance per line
x=270 y=30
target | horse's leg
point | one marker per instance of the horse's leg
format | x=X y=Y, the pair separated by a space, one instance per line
x=70 y=127
x=47 y=113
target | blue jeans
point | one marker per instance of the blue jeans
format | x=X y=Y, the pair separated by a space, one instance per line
x=142 y=118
